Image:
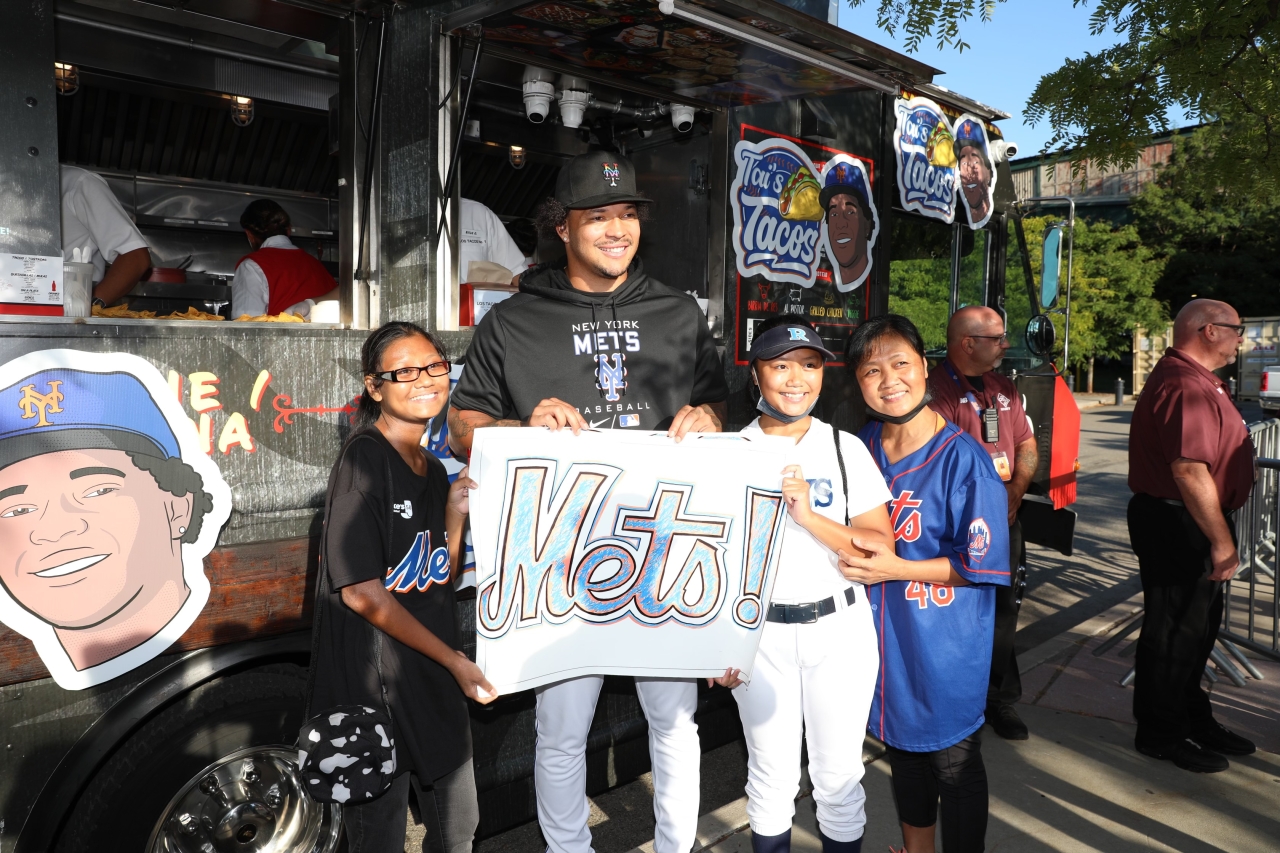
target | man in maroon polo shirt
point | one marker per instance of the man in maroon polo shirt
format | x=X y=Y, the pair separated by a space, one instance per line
x=968 y=392
x=1190 y=464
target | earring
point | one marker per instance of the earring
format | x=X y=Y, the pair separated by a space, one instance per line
x=182 y=530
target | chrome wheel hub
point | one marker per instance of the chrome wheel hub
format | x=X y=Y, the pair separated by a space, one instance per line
x=250 y=801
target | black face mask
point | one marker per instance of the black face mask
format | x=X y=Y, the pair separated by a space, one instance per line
x=909 y=416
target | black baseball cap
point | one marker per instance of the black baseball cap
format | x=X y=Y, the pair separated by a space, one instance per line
x=597 y=179
x=783 y=339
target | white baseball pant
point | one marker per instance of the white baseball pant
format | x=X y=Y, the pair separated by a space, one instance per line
x=815 y=680
x=564 y=713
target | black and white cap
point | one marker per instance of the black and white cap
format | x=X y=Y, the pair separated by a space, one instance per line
x=783 y=339
x=597 y=179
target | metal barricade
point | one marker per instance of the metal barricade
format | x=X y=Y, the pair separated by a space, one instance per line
x=1251 y=607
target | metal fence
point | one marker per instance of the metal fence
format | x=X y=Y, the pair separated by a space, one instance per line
x=1251 y=613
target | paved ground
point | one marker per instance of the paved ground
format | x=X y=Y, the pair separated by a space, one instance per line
x=1077 y=785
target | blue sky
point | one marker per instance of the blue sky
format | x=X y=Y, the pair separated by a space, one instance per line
x=1006 y=57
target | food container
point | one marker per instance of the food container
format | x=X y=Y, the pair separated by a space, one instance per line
x=77 y=289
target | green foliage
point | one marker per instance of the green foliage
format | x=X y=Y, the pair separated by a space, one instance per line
x=1112 y=285
x=1213 y=243
x=921 y=291
x=1214 y=61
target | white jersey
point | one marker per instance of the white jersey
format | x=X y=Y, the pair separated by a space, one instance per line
x=483 y=237
x=808 y=570
x=94 y=219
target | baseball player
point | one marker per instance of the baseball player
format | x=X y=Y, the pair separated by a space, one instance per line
x=934 y=601
x=816 y=667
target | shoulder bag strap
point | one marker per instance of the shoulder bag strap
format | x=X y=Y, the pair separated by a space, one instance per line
x=386 y=550
x=844 y=477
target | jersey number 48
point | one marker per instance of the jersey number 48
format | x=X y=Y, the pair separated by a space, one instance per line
x=922 y=593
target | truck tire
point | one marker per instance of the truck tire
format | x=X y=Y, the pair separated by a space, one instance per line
x=214 y=768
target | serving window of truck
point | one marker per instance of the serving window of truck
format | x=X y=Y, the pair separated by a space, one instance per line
x=793 y=168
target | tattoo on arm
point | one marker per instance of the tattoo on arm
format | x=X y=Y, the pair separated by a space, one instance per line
x=1026 y=458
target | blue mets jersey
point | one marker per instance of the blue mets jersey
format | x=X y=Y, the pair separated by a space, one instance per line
x=935 y=640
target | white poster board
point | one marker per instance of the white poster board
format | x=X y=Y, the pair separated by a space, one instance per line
x=622 y=553
x=30 y=279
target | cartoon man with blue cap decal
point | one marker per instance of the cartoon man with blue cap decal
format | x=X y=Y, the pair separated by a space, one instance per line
x=105 y=514
x=851 y=221
x=973 y=154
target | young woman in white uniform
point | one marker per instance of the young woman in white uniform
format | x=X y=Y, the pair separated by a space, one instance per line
x=816 y=668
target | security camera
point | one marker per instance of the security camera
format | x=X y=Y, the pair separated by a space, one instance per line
x=575 y=97
x=682 y=117
x=1004 y=150
x=539 y=91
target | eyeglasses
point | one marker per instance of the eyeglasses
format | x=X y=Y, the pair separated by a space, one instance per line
x=1239 y=329
x=1003 y=337
x=409 y=374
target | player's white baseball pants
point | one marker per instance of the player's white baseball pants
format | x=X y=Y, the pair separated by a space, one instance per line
x=814 y=679
x=564 y=713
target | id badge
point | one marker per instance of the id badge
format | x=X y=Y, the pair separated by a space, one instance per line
x=990 y=425
x=1001 y=461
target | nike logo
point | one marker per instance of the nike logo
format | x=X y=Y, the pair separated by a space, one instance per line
x=595 y=424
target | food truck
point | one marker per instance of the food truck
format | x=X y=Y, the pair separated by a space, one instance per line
x=793 y=167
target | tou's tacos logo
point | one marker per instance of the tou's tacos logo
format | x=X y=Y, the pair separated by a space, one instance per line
x=108 y=507
x=777 y=214
x=926 y=159
x=785 y=208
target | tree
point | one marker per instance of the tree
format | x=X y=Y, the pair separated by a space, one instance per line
x=1211 y=245
x=1217 y=61
x=1112 y=287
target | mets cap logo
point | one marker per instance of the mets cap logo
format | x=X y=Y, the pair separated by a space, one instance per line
x=979 y=539
x=34 y=403
x=611 y=173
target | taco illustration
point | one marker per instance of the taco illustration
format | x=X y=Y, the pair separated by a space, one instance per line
x=939 y=149
x=799 y=199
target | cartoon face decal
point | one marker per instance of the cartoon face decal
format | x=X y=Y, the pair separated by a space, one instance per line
x=851 y=223
x=976 y=175
x=107 y=509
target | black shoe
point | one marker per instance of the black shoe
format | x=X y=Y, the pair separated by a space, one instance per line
x=1215 y=736
x=1005 y=720
x=1188 y=755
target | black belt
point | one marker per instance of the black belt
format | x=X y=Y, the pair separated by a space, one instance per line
x=811 y=612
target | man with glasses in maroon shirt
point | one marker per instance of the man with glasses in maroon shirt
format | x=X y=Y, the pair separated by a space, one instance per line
x=969 y=392
x=1190 y=465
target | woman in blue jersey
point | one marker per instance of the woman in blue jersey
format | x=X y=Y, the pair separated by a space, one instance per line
x=933 y=601
x=816 y=665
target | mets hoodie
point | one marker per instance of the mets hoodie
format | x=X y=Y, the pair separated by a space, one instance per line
x=631 y=358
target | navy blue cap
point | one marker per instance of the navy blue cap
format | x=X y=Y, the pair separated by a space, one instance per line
x=970 y=134
x=65 y=409
x=783 y=339
x=844 y=179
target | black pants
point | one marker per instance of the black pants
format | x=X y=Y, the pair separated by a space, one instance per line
x=957 y=776
x=448 y=806
x=1005 y=686
x=1183 y=610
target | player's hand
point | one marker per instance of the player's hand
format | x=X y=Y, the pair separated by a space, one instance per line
x=795 y=494
x=1226 y=562
x=472 y=680
x=460 y=493
x=556 y=414
x=869 y=562
x=691 y=419
x=730 y=679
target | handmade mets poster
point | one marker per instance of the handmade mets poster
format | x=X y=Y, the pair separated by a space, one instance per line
x=622 y=553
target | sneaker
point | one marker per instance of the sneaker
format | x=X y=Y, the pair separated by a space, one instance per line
x=1220 y=739
x=1188 y=755
x=1005 y=720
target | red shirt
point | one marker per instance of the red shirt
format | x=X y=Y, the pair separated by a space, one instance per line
x=1185 y=412
x=292 y=276
x=955 y=398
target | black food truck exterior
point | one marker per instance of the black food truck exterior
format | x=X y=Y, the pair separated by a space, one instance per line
x=794 y=167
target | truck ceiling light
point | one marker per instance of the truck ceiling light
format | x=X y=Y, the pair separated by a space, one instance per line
x=66 y=78
x=539 y=90
x=516 y=156
x=682 y=117
x=242 y=110
x=809 y=56
x=575 y=97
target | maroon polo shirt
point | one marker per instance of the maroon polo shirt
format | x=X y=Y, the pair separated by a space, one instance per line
x=1185 y=412
x=957 y=400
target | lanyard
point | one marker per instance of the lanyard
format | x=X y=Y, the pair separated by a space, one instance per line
x=988 y=415
x=970 y=396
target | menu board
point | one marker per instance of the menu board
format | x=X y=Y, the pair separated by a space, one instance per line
x=30 y=279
